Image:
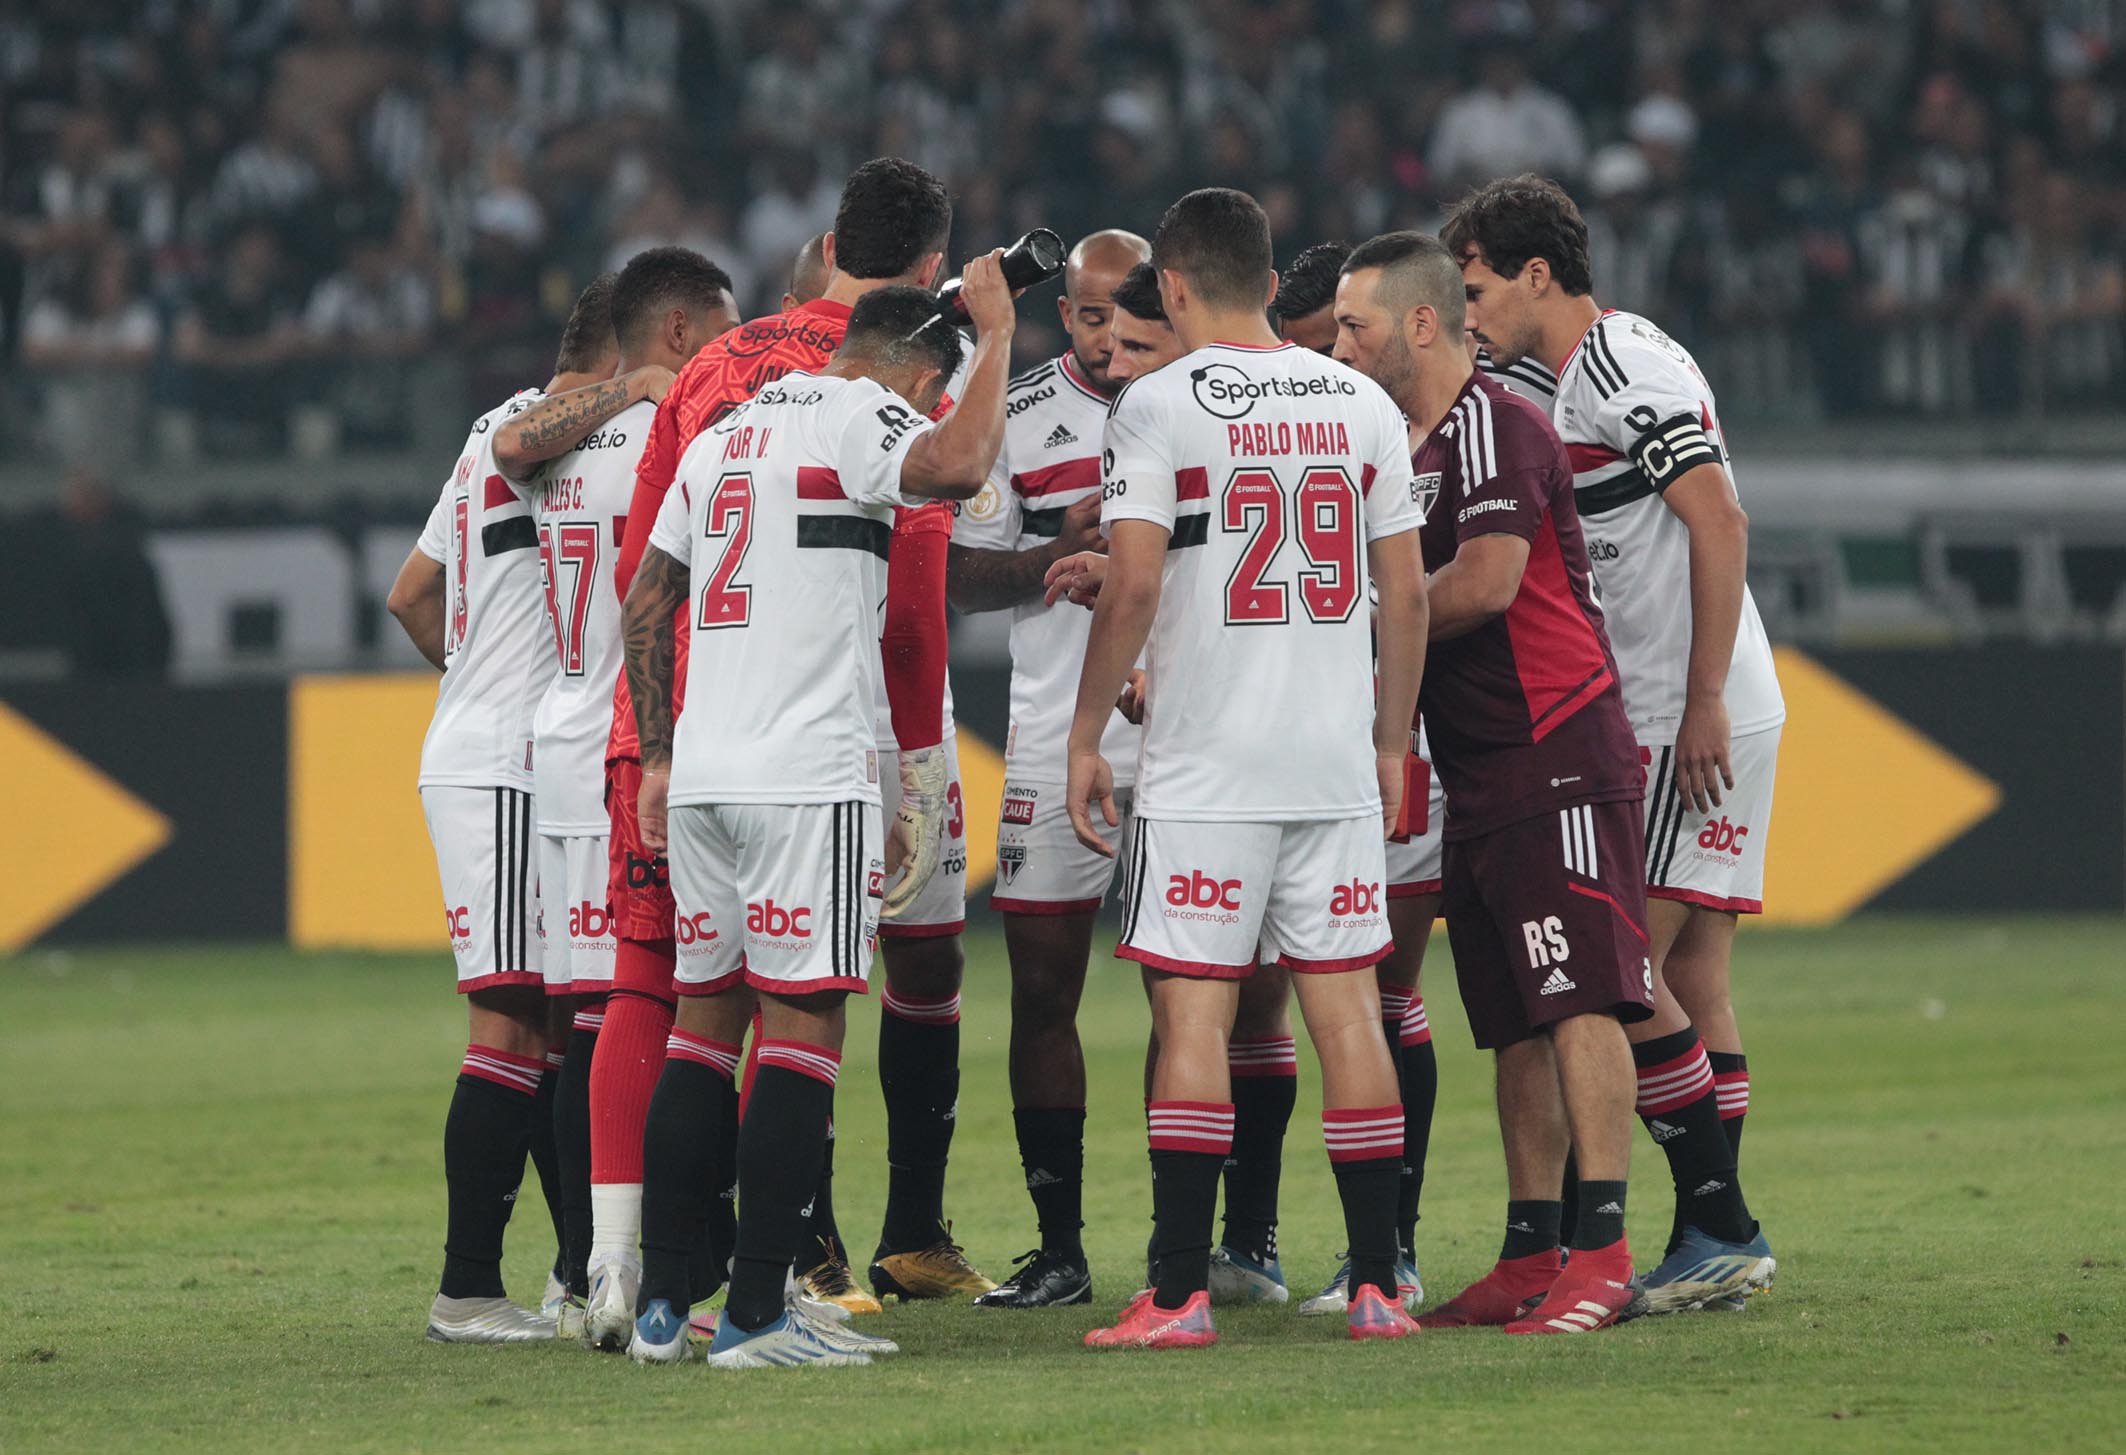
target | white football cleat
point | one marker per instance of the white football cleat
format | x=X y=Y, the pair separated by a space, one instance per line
x=485 y=1321
x=786 y=1343
x=564 y=1308
x=609 y=1322
x=836 y=1331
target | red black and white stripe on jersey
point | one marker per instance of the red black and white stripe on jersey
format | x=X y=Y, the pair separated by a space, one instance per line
x=506 y=522
x=1524 y=376
x=1192 y=508
x=513 y=881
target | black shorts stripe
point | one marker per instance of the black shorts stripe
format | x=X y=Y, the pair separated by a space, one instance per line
x=836 y=877
x=1676 y=828
x=501 y=860
x=511 y=533
x=1133 y=882
x=1190 y=530
x=844 y=533
x=859 y=870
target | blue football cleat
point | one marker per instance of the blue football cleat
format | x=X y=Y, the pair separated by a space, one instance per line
x=659 y=1336
x=1237 y=1278
x=1703 y=1268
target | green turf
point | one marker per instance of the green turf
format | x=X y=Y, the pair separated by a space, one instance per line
x=220 y=1186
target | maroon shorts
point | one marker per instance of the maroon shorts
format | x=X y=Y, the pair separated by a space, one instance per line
x=1547 y=920
x=638 y=885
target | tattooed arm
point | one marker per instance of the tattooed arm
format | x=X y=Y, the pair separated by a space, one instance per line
x=551 y=427
x=648 y=633
x=980 y=579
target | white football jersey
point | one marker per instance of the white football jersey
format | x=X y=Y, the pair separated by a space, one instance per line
x=783 y=512
x=1635 y=415
x=498 y=650
x=1053 y=421
x=1273 y=468
x=1524 y=377
x=582 y=500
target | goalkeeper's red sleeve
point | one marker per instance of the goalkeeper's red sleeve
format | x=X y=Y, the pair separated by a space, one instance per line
x=914 y=641
x=653 y=477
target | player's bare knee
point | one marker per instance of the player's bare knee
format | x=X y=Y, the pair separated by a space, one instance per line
x=817 y=1019
x=719 y=1018
x=928 y=968
x=1265 y=1009
x=509 y=1018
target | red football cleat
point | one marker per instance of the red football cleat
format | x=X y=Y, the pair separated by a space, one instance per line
x=1145 y=1325
x=1373 y=1316
x=1594 y=1291
x=1497 y=1297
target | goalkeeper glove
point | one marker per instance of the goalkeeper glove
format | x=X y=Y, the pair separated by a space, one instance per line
x=917 y=838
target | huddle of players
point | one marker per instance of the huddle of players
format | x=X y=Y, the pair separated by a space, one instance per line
x=1240 y=848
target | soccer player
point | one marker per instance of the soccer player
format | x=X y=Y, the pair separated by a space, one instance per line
x=1252 y=830
x=469 y=596
x=890 y=228
x=775 y=541
x=1671 y=545
x=666 y=303
x=1041 y=503
x=1541 y=865
x=1304 y=310
x=808 y=275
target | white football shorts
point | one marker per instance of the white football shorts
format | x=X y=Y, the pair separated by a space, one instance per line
x=1203 y=899
x=580 y=941
x=1414 y=867
x=1041 y=866
x=784 y=895
x=941 y=909
x=485 y=856
x=1715 y=860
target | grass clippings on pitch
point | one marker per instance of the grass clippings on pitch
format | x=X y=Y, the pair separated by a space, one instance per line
x=220 y=1181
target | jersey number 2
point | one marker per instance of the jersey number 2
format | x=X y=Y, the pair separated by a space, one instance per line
x=1325 y=509
x=724 y=602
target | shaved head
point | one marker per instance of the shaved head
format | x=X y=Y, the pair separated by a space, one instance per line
x=1095 y=268
x=1111 y=251
x=808 y=278
x=1415 y=271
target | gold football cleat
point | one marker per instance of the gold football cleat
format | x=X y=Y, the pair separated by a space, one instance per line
x=830 y=1281
x=938 y=1271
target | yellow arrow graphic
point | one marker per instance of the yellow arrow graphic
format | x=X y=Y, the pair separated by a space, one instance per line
x=71 y=831
x=1863 y=798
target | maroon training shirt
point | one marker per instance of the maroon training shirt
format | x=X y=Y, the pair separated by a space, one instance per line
x=1524 y=714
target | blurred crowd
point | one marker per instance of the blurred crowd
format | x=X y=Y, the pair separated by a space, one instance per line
x=229 y=222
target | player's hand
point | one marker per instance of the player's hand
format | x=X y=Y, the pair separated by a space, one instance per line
x=917 y=837
x=1388 y=767
x=1081 y=527
x=1131 y=703
x=987 y=296
x=1092 y=783
x=1077 y=577
x=1703 y=767
x=653 y=382
x=650 y=810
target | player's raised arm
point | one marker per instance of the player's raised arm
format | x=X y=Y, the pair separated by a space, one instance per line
x=979 y=578
x=1703 y=498
x=550 y=428
x=951 y=461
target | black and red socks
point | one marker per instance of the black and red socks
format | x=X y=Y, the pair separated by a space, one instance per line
x=1418 y=1067
x=1189 y=1143
x=485 y=1138
x=1731 y=1086
x=679 y=1169
x=781 y=1144
x=1366 y=1154
x=1265 y=1081
x=1052 y=1152
x=572 y=1144
x=545 y=1154
x=1677 y=1102
x=919 y=1072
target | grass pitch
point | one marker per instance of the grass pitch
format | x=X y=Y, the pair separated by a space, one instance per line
x=221 y=1186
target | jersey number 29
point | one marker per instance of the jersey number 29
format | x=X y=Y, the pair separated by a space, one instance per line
x=1324 y=516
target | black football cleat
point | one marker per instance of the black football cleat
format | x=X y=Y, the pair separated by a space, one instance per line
x=1043 y=1280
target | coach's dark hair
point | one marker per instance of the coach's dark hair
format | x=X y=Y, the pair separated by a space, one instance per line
x=587 y=337
x=1505 y=223
x=1414 y=268
x=1307 y=284
x=901 y=325
x=892 y=212
x=1138 y=294
x=657 y=279
x=1219 y=240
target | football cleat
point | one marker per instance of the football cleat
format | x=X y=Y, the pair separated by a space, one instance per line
x=1042 y=1280
x=1592 y=1292
x=830 y=1281
x=1373 y=1316
x=1499 y=1296
x=485 y=1321
x=1145 y=1325
x=833 y=1327
x=609 y=1321
x=1335 y=1295
x=659 y=1336
x=786 y=1343
x=1702 y=1268
x=701 y=1324
x=938 y=1271
x=1237 y=1277
x=1727 y=1303
x=564 y=1308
